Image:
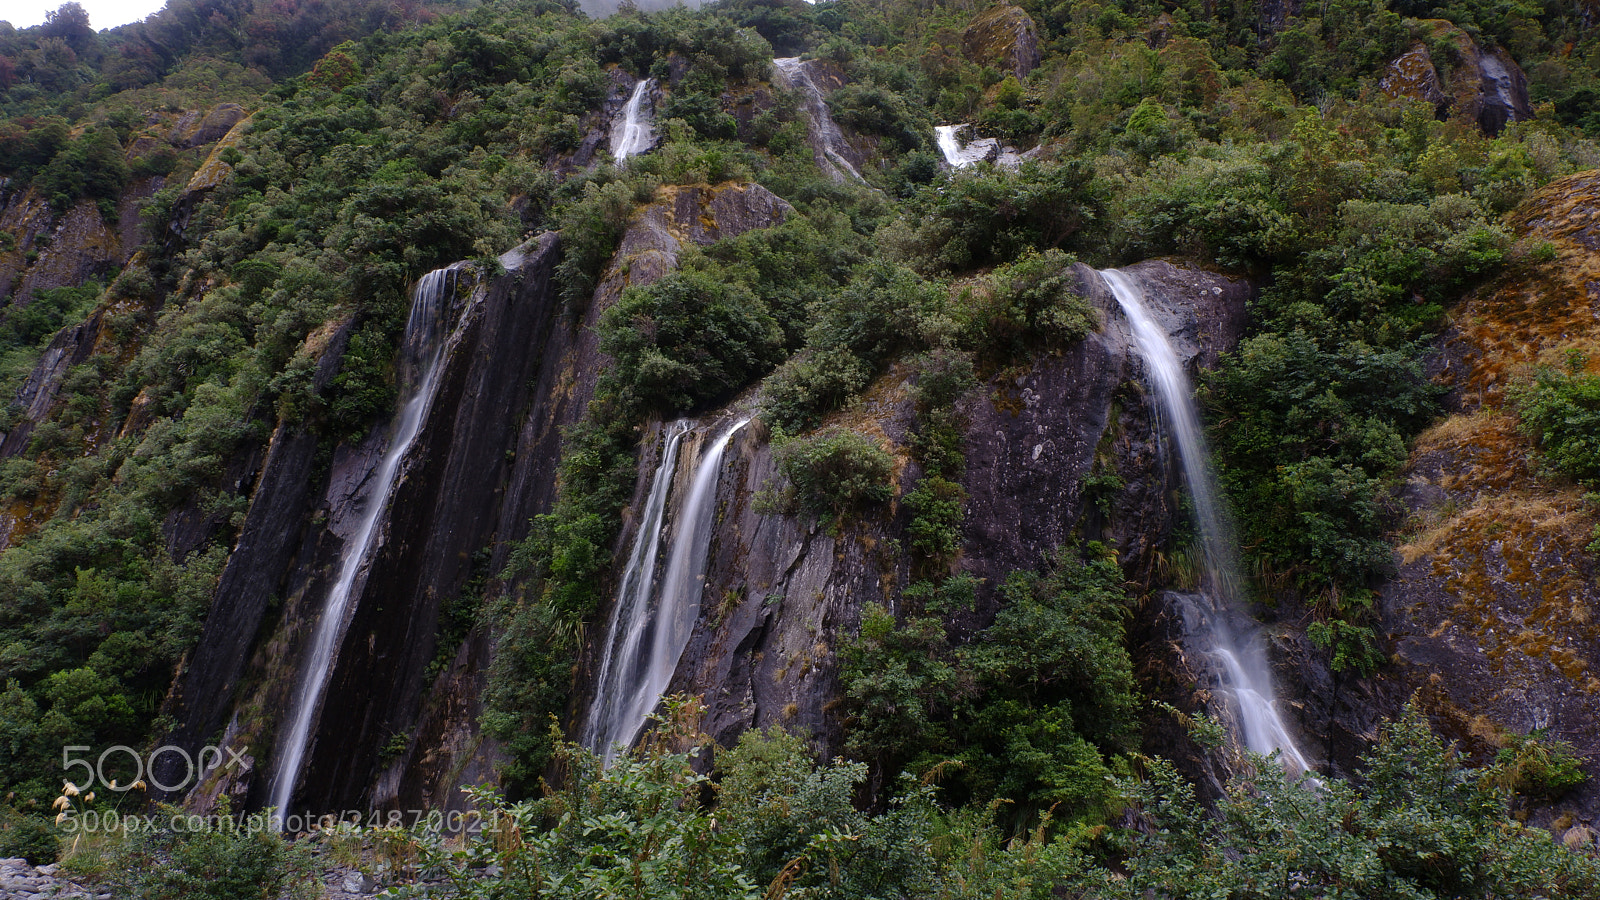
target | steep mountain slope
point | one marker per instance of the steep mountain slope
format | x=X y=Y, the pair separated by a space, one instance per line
x=953 y=538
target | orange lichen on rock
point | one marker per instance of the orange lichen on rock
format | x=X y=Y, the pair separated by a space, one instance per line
x=1496 y=586
x=1412 y=76
x=216 y=169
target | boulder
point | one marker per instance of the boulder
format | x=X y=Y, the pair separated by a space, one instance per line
x=1004 y=36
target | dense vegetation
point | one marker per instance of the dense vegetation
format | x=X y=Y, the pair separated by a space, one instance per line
x=1421 y=825
x=391 y=138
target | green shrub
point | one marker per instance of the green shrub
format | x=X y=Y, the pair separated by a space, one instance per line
x=1419 y=824
x=836 y=471
x=810 y=384
x=1317 y=424
x=223 y=861
x=1034 y=303
x=937 y=508
x=32 y=838
x=688 y=340
x=364 y=390
x=1561 y=412
x=1538 y=767
x=1034 y=708
x=702 y=112
x=782 y=825
x=590 y=228
x=992 y=216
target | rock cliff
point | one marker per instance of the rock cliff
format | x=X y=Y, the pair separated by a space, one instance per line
x=1483 y=85
x=1493 y=611
x=399 y=726
x=1004 y=36
x=782 y=592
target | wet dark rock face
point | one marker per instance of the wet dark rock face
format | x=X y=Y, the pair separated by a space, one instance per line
x=399 y=724
x=446 y=508
x=1485 y=86
x=782 y=592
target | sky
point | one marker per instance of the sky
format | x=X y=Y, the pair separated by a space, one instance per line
x=103 y=14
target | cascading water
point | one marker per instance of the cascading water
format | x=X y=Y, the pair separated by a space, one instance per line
x=1500 y=105
x=631 y=134
x=1247 y=675
x=422 y=349
x=958 y=155
x=825 y=133
x=620 y=660
x=652 y=620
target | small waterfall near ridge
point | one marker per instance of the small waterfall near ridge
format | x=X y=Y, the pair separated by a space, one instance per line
x=422 y=351
x=956 y=154
x=1246 y=673
x=959 y=154
x=631 y=133
x=826 y=137
x=652 y=618
x=1500 y=104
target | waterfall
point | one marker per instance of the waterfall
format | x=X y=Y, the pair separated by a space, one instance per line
x=1247 y=676
x=827 y=139
x=630 y=133
x=652 y=619
x=421 y=352
x=1500 y=105
x=959 y=154
x=955 y=153
x=620 y=660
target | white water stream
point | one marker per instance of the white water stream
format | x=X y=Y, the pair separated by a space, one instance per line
x=959 y=154
x=1500 y=94
x=652 y=619
x=1247 y=676
x=631 y=133
x=620 y=660
x=421 y=352
x=825 y=134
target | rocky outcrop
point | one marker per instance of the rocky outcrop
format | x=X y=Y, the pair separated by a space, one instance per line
x=20 y=880
x=1005 y=37
x=196 y=129
x=1484 y=85
x=1493 y=614
x=214 y=172
x=783 y=591
x=48 y=248
x=1412 y=76
x=398 y=728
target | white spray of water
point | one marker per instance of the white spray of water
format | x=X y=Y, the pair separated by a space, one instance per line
x=825 y=133
x=421 y=352
x=631 y=134
x=959 y=154
x=646 y=639
x=1248 y=677
x=620 y=660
